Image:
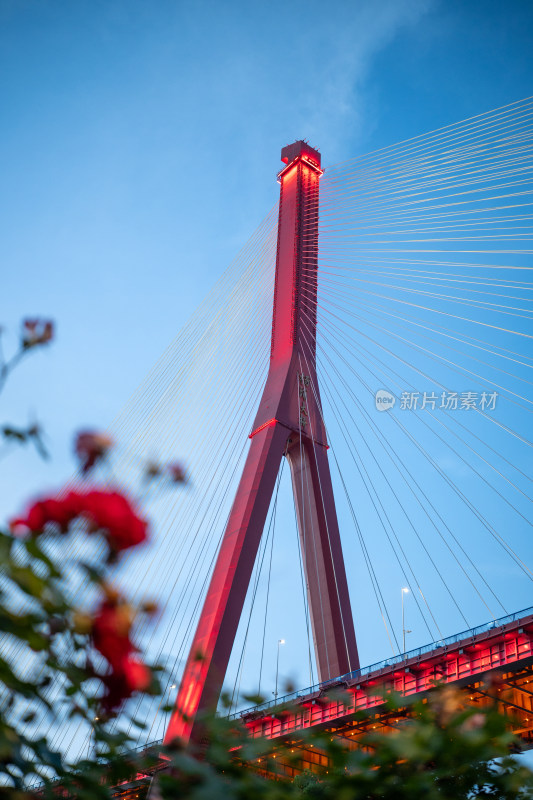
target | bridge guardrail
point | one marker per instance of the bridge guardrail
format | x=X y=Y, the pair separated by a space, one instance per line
x=388 y=662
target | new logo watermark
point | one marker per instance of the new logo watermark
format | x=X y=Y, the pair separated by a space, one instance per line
x=447 y=401
x=384 y=400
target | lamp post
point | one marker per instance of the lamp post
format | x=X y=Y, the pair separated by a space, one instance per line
x=280 y=641
x=404 y=631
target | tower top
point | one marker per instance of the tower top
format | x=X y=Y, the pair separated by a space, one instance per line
x=298 y=149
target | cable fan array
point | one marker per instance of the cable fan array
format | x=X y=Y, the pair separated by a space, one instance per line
x=424 y=312
x=424 y=366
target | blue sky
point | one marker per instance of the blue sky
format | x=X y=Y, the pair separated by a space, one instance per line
x=140 y=144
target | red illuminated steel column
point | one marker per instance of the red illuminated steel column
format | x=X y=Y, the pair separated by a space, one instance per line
x=288 y=422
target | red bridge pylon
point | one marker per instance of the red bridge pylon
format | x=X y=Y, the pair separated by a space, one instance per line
x=289 y=423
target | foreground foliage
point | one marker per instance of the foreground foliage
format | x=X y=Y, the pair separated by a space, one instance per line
x=448 y=751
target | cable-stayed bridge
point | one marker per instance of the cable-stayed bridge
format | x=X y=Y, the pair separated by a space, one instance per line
x=375 y=335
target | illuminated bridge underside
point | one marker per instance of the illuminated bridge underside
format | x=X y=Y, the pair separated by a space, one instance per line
x=504 y=651
x=491 y=662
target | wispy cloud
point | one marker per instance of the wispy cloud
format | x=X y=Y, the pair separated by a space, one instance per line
x=337 y=104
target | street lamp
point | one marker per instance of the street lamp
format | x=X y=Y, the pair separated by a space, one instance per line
x=280 y=641
x=404 y=631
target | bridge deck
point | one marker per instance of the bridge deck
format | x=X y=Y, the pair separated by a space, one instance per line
x=502 y=649
x=490 y=662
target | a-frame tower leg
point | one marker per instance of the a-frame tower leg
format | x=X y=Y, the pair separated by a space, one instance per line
x=289 y=421
x=327 y=588
x=208 y=659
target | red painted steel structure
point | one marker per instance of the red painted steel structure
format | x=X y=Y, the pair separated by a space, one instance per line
x=505 y=652
x=288 y=423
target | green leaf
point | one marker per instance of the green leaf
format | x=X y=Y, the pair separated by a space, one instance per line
x=33 y=548
x=28 y=581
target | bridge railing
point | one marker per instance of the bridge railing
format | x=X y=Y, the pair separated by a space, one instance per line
x=388 y=662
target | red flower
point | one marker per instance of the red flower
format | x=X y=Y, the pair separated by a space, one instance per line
x=111 y=637
x=138 y=676
x=177 y=473
x=58 y=513
x=120 y=686
x=108 y=512
x=111 y=632
x=111 y=511
x=37 y=331
x=90 y=447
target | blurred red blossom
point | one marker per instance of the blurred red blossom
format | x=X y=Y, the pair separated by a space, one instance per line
x=112 y=512
x=111 y=631
x=36 y=331
x=174 y=470
x=90 y=447
x=56 y=513
x=177 y=472
x=105 y=511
